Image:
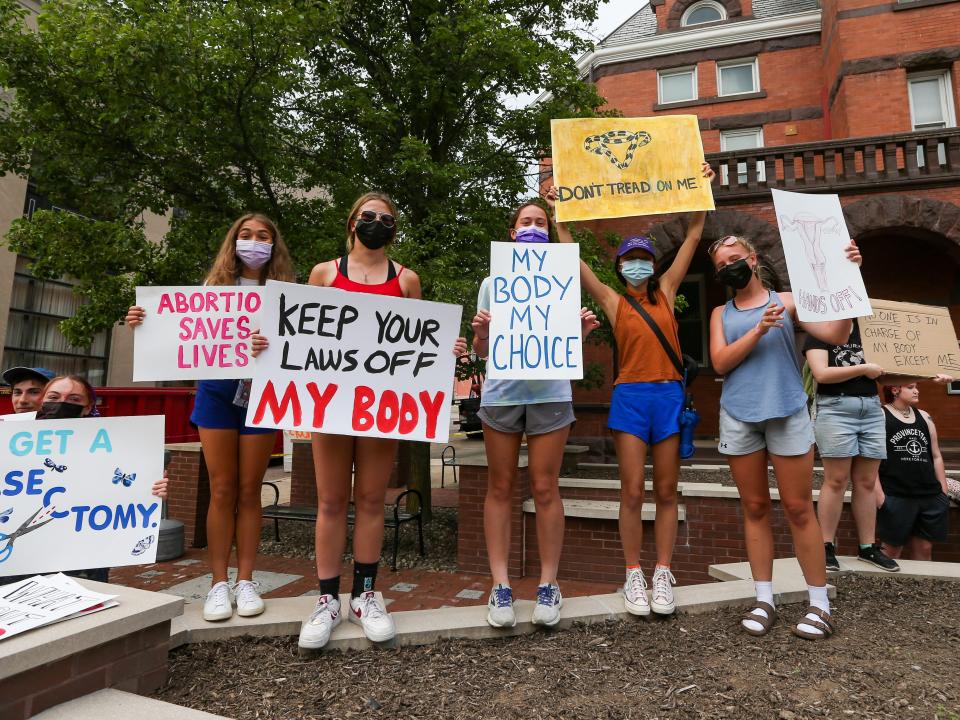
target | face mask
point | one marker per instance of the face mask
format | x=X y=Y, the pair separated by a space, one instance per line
x=374 y=235
x=254 y=253
x=636 y=271
x=736 y=275
x=60 y=411
x=532 y=234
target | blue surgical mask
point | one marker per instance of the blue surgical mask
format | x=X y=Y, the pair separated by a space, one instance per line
x=532 y=234
x=636 y=271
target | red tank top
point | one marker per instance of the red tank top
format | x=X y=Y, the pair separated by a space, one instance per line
x=390 y=287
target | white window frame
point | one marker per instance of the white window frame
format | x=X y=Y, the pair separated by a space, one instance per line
x=696 y=6
x=752 y=62
x=691 y=69
x=946 y=96
x=725 y=135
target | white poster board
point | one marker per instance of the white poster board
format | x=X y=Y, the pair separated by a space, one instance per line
x=354 y=364
x=39 y=601
x=79 y=492
x=535 y=312
x=195 y=333
x=825 y=285
x=19 y=417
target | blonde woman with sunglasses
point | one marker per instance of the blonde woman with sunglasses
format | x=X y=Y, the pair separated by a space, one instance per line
x=763 y=416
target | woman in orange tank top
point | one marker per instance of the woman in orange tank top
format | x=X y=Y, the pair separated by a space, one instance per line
x=647 y=400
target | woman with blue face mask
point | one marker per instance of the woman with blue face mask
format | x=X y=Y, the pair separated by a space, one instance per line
x=648 y=397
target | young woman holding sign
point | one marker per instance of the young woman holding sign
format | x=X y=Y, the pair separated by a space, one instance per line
x=543 y=410
x=648 y=398
x=763 y=415
x=236 y=455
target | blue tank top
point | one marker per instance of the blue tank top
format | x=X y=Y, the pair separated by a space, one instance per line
x=767 y=384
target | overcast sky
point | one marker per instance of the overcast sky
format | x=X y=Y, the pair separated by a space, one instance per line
x=613 y=13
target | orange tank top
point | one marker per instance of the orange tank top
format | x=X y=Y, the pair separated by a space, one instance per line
x=642 y=357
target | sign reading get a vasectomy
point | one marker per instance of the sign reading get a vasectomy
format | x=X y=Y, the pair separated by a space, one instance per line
x=621 y=167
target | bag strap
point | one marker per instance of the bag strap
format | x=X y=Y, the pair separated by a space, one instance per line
x=677 y=363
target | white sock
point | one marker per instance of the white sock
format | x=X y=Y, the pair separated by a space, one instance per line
x=819 y=599
x=764 y=594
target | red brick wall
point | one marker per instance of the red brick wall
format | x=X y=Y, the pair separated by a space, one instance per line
x=188 y=496
x=471 y=546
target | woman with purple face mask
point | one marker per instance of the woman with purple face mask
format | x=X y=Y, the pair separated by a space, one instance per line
x=236 y=455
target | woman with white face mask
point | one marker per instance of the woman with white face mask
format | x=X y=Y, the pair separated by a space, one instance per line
x=648 y=398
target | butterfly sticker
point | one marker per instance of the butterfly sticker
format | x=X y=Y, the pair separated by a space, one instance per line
x=142 y=546
x=53 y=466
x=120 y=477
x=5 y=515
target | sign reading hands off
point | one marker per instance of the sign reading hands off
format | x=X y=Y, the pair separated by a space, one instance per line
x=621 y=167
x=354 y=364
x=910 y=339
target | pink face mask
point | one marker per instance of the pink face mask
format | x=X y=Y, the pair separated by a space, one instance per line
x=254 y=253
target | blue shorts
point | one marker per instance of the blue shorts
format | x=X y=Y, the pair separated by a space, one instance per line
x=213 y=408
x=850 y=426
x=649 y=410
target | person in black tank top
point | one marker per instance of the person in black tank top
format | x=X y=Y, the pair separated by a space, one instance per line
x=915 y=509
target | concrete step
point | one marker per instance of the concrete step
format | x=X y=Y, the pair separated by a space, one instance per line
x=601 y=509
x=114 y=703
x=789 y=569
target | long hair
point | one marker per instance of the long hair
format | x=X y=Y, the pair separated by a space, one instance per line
x=536 y=202
x=227 y=267
x=84 y=383
x=766 y=274
x=365 y=198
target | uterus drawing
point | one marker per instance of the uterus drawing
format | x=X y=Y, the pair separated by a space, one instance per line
x=811 y=230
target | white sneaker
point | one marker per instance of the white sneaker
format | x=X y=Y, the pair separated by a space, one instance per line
x=248 y=599
x=500 y=607
x=635 y=593
x=663 y=582
x=369 y=612
x=549 y=601
x=217 y=606
x=316 y=629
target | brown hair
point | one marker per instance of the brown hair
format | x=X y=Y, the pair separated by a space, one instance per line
x=226 y=267
x=82 y=381
x=359 y=203
x=766 y=274
x=537 y=202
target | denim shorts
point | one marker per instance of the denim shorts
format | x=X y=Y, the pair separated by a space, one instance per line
x=848 y=426
x=536 y=419
x=213 y=408
x=649 y=410
x=787 y=436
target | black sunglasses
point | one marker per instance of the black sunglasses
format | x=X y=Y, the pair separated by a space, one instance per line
x=369 y=216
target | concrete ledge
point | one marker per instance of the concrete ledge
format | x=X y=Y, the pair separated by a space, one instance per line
x=601 y=509
x=114 y=703
x=692 y=489
x=789 y=569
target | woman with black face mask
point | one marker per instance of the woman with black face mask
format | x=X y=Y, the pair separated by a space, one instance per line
x=763 y=416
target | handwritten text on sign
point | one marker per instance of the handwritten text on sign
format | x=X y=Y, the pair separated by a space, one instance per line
x=87 y=485
x=354 y=364
x=195 y=333
x=910 y=339
x=535 y=311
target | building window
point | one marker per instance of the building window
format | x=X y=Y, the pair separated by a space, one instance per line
x=746 y=139
x=703 y=12
x=931 y=106
x=737 y=77
x=692 y=323
x=678 y=85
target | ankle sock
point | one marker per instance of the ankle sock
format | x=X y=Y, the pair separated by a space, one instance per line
x=364 y=577
x=764 y=590
x=818 y=599
x=331 y=586
x=866 y=547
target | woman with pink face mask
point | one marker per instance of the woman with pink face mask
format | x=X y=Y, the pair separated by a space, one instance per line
x=236 y=455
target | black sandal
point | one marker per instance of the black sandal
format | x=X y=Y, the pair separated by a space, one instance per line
x=765 y=622
x=825 y=624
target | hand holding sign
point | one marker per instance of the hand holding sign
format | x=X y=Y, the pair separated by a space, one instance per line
x=910 y=339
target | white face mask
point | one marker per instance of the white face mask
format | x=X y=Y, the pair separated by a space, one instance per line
x=254 y=253
x=636 y=271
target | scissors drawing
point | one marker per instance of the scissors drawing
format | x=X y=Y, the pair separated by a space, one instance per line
x=24 y=528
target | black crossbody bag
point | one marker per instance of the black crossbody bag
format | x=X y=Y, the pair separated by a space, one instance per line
x=688 y=367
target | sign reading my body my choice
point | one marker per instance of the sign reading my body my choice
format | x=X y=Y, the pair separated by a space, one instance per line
x=354 y=364
x=76 y=494
x=535 y=311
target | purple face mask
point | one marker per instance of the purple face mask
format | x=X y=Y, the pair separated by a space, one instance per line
x=532 y=234
x=254 y=253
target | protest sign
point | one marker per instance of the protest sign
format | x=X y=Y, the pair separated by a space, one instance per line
x=910 y=339
x=825 y=284
x=19 y=417
x=354 y=364
x=620 y=167
x=535 y=311
x=195 y=333
x=38 y=601
x=76 y=494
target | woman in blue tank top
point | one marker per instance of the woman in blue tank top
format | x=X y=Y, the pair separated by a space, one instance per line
x=763 y=414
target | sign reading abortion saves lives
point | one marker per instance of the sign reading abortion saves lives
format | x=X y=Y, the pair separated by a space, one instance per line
x=354 y=364
x=76 y=494
x=195 y=333
x=535 y=311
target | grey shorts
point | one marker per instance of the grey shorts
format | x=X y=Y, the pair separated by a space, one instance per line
x=850 y=426
x=537 y=419
x=787 y=436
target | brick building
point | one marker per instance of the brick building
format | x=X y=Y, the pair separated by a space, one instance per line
x=855 y=97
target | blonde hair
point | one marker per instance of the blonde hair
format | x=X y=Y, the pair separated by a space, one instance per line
x=226 y=267
x=360 y=201
x=767 y=276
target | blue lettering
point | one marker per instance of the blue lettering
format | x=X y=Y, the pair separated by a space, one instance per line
x=526 y=284
x=564 y=286
x=515 y=315
x=500 y=287
x=572 y=340
x=523 y=257
x=526 y=352
x=493 y=353
x=79 y=510
x=94 y=525
x=34 y=481
x=545 y=314
x=101 y=442
x=126 y=516
x=20 y=444
x=12 y=480
x=146 y=512
x=538 y=282
x=541 y=257
x=553 y=351
x=46 y=501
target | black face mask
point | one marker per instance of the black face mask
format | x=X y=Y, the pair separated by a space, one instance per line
x=736 y=275
x=374 y=235
x=59 y=411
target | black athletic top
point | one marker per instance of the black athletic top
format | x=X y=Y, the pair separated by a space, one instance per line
x=846 y=355
x=908 y=470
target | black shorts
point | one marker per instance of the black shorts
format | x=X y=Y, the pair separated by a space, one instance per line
x=900 y=518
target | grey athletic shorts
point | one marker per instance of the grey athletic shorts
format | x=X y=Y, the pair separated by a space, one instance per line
x=537 y=419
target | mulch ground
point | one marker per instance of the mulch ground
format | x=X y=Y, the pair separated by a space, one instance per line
x=895 y=656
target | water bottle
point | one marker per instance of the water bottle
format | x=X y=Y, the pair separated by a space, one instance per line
x=689 y=418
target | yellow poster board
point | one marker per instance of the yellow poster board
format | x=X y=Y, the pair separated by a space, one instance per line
x=621 y=167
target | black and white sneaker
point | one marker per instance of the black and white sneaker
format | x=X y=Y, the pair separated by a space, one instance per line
x=831 y=552
x=876 y=556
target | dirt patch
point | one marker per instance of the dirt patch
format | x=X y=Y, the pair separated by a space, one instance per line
x=895 y=656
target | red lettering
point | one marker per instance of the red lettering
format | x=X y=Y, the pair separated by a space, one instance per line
x=243 y=327
x=165 y=304
x=409 y=414
x=181 y=302
x=320 y=401
x=388 y=414
x=242 y=358
x=212 y=302
x=209 y=354
x=363 y=398
x=222 y=356
x=180 y=360
x=252 y=302
x=268 y=400
x=185 y=332
x=226 y=328
x=431 y=406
